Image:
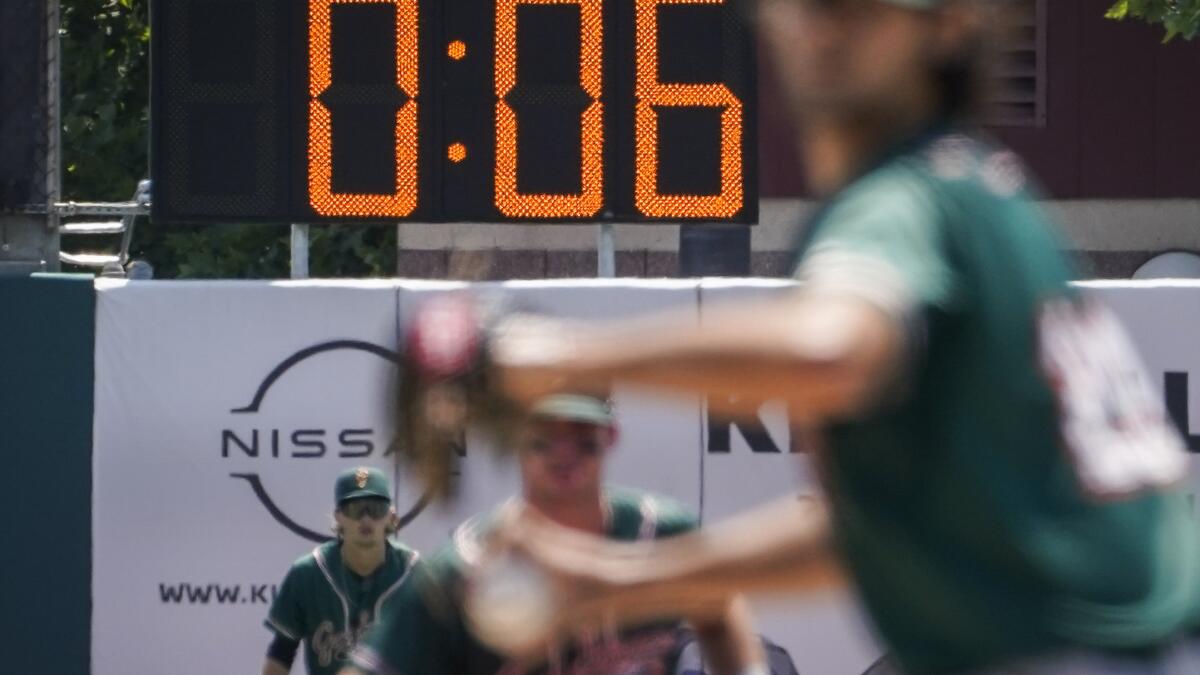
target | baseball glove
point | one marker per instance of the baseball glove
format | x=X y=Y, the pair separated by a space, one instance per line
x=447 y=385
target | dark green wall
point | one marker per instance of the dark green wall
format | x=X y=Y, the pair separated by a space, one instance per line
x=47 y=329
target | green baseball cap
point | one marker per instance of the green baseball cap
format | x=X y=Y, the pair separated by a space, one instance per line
x=361 y=481
x=575 y=408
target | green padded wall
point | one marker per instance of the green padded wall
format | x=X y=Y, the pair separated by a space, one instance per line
x=47 y=330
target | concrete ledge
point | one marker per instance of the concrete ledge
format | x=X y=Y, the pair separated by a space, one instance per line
x=496 y=265
x=1129 y=225
x=1092 y=225
x=1111 y=239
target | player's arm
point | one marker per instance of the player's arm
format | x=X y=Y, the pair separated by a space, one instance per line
x=280 y=655
x=823 y=352
x=781 y=546
x=878 y=265
x=728 y=643
x=285 y=619
x=726 y=640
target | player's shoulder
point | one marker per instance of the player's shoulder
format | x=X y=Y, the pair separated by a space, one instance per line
x=316 y=557
x=898 y=191
x=436 y=580
x=922 y=188
x=961 y=161
x=406 y=561
x=639 y=514
x=406 y=553
x=309 y=564
x=949 y=160
x=433 y=589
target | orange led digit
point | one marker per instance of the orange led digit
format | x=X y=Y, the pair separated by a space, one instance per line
x=321 y=196
x=649 y=93
x=589 y=201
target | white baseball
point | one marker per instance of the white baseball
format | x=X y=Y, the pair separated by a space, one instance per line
x=511 y=605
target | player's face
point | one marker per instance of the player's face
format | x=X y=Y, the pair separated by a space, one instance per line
x=364 y=522
x=847 y=56
x=562 y=460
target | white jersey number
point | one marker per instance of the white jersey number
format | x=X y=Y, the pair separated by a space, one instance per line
x=1113 y=424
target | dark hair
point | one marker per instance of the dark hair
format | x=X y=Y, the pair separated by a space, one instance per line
x=964 y=81
x=961 y=85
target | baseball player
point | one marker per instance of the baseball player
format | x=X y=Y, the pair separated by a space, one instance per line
x=332 y=595
x=562 y=452
x=1002 y=482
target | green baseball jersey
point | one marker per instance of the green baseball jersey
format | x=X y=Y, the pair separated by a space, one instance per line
x=1011 y=491
x=329 y=607
x=424 y=632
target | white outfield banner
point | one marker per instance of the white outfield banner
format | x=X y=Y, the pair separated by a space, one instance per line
x=201 y=456
x=223 y=411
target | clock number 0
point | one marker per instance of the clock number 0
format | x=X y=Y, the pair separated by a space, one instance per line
x=648 y=91
x=591 y=67
x=323 y=199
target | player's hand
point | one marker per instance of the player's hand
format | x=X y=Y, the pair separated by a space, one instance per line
x=544 y=585
x=533 y=591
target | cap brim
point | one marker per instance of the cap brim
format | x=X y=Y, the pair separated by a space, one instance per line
x=575 y=409
x=359 y=494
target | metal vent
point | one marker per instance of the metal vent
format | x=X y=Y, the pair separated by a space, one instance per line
x=1017 y=92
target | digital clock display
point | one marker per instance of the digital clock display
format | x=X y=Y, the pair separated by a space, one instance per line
x=452 y=110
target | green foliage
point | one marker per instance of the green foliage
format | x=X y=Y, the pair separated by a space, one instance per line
x=1178 y=17
x=263 y=251
x=105 y=72
x=106 y=88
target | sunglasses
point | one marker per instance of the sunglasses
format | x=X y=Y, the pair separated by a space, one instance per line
x=585 y=446
x=375 y=508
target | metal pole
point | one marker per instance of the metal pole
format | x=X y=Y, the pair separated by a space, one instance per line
x=400 y=249
x=299 y=250
x=606 y=251
x=53 y=128
x=714 y=250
